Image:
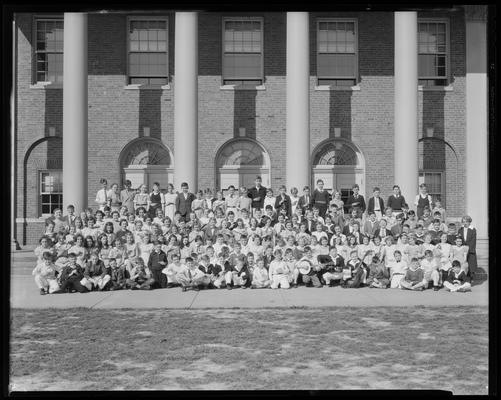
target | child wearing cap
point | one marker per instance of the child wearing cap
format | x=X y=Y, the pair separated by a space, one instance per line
x=457 y=279
x=414 y=277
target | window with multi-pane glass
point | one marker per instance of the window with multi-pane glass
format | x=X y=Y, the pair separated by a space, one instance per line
x=337 y=53
x=242 y=52
x=49 y=50
x=148 y=52
x=432 y=53
x=434 y=184
x=51 y=191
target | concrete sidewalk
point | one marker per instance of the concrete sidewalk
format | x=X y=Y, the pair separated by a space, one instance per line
x=24 y=294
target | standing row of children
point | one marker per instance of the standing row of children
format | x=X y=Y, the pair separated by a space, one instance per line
x=230 y=242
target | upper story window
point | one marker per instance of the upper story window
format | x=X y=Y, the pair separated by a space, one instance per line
x=49 y=50
x=243 y=51
x=147 y=51
x=337 y=52
x=433 y=49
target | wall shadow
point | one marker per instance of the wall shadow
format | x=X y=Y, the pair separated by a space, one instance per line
x=244 y=115
x=150 y=113
x=340 y=113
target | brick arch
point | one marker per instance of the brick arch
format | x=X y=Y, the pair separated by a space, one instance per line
x=145 y=151
x=54 y=161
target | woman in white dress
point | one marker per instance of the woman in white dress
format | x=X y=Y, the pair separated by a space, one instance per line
x=170 y=202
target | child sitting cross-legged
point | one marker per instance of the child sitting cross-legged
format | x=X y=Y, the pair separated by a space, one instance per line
x=333 y=268
x=45 y=275
x=140 y=276
x=414 y=277
x=457 y=279
x=378 y=274
x=279 y=272
x=260 y=277
x=353 y=272
x=117 y=274
x=70 y=277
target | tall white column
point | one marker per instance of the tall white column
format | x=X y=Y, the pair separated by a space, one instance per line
x=75 y=161
x=406 y=104
x=186 y=100
x=476 y=119
x=298 y=101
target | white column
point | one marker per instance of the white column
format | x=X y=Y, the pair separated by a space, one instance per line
x=476 y=120
x=186 y=100
x=406 y=104
x=75 y=161
x=298 y=167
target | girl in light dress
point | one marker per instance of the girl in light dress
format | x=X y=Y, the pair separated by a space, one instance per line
x=197 y=205
x=219 y=202
x=389 y=250
x=169 y=200
x=45 y=244
x=131 y=250
x=377 y=248
x=142 y=199
x=79 y=249
x=414 y=250
x=269 y=199
x=363 y=249
x=336 y=199
x=255 y=246
x=443 y=252
x=427 y=245
x=104 y=249
x=239 y=230
x=185 y=248
x=244 y=202
x=145 y=248
x=253 y=228
x=403 y=246
x=90 y=246
x=460 y=253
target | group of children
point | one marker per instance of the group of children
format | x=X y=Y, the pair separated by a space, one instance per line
x=218 y=243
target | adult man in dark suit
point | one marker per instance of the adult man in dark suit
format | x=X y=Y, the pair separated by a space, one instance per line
x=257 y=194
x=376 y=204
x=356 y=201
x=469 y=236
x=183 y=202
x=283 y=202
x=127 y=196
x=304 y=202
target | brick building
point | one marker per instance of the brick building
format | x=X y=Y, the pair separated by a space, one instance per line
x=375 y=98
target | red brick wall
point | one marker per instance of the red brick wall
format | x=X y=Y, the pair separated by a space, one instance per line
x=117 y=115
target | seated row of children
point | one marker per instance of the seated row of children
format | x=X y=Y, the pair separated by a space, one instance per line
x=103 y=268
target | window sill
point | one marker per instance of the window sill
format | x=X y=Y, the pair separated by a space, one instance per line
x=448 y=88
x=46 y=85
x=33 y=220
x=147 y=87
x=234 y=87
x=337 y=88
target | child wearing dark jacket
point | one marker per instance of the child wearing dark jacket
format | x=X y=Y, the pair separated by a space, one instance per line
x=71 y=275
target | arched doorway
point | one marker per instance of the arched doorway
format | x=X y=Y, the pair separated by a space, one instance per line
x=146 y=160
x=239 y=161
x=340 y=165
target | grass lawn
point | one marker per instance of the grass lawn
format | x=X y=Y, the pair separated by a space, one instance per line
x=337 y=348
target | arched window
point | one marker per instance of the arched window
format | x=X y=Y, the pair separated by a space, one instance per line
x=146 y=160
x=339 y=164
x=239 y=161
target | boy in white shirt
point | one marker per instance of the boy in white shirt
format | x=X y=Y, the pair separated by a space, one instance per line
x=279 y=272
x=45 y=275
x=173 y=270
x=430 y=267
x=398 y=268
x=260 y=277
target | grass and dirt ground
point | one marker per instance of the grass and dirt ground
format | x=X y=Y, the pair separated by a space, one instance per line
x=444 y=348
